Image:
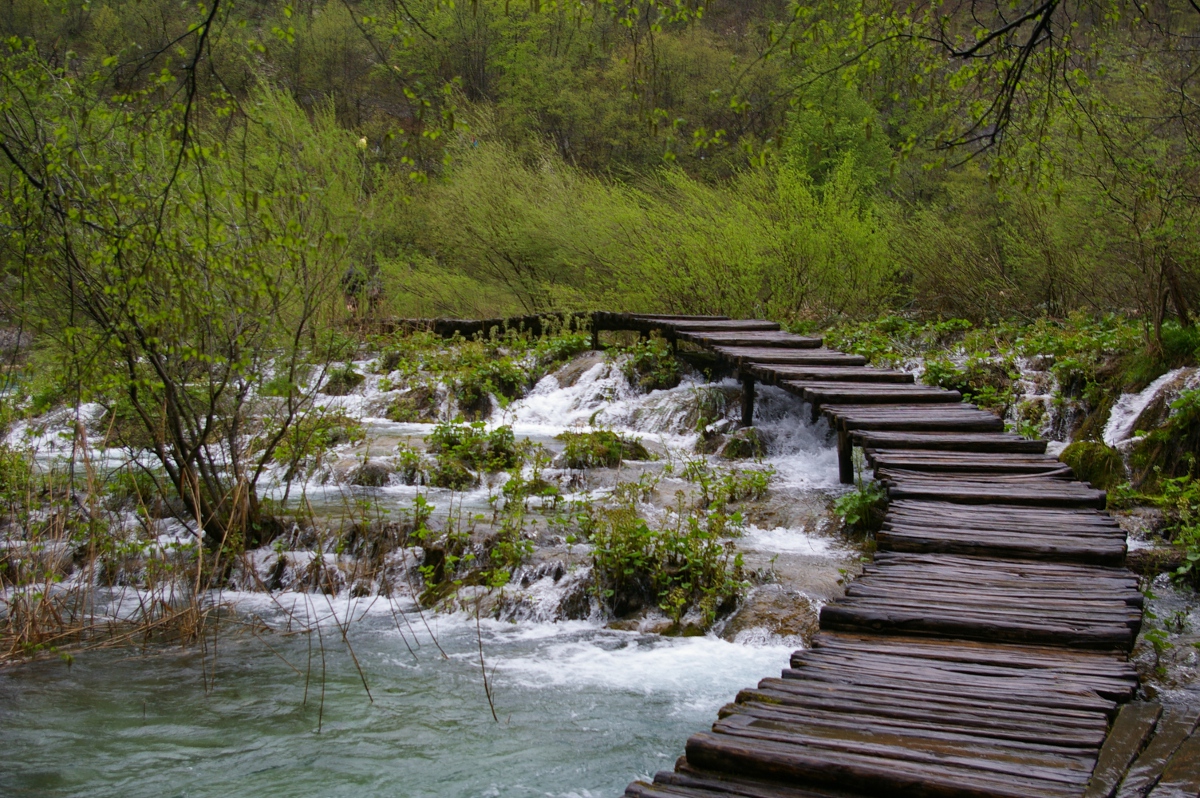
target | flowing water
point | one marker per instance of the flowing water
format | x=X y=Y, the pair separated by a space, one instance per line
x=582 y=708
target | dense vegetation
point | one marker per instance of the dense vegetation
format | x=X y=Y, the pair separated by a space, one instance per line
x=207 y=207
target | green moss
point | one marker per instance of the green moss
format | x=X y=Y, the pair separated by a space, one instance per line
x=1095 y=463
x=600 y=449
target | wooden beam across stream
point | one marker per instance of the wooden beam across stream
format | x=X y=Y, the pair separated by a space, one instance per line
x=985 y=651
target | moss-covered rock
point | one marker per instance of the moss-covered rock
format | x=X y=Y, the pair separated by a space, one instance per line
x=417 y=405
x=743 y=445
x=600 y=449
x=1096 y=463
x=341 y=381
x=1170 y=450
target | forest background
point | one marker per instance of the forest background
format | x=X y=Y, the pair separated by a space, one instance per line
x=205 y=206
x=806 y=163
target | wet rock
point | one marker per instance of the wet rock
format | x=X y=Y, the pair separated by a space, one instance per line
x=775 y=611
x=372 y=474
x=710 y=442
x=341 y=381
x=569 y=374
x=742 y=445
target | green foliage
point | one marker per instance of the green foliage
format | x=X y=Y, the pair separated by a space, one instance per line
x=986 y=381
x=462 y=448
x=1180 y=502
x=681 y=566
x=600 y=449
x=862 y=508
x=649 y=364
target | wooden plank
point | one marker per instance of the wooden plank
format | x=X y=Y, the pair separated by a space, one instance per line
x=1081 y=549
x=1129 y=734
x=949 y=441
x=687 y=776
x=958 y=462
x=925 y=418
x=967 y=492
x=1181 y=778
x=1175 y=726
x=873 y=774
x=773 y=373
x=809 y=357
x=751 y=338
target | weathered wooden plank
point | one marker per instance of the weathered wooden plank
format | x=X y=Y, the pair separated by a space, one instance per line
x=932 y=417
x=1181 y=777
x=867 y=771
x=1130 y=730
x=810 y=357
x=687 y=776
x=1057 y=494
x=773 y=373
x=1058 y=546
x=750 y=338
x=959 y=462
x=948 y=441
x=1176 y=725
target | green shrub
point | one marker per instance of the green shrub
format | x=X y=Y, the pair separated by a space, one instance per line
x=600 y=449
x=462 y=448
x=679 y=567
x=650 y=365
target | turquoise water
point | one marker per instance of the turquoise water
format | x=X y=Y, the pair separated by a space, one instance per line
x=583 y=711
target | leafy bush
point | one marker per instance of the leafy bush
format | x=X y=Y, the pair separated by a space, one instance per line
x=461 y=448
x=650 y=365
x=681 y=566
x=600 y=449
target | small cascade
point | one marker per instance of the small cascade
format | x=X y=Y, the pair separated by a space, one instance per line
x=1128 y=413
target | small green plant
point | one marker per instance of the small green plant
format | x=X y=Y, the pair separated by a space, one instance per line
x=862 y=508
x=650 y=364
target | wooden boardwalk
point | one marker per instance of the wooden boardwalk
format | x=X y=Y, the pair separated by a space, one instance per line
x=985 y=650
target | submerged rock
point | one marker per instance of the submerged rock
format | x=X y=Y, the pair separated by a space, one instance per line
x=372 y=474
x=774 y=611
x=743 y=445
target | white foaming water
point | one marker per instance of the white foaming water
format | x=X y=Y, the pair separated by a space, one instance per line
x=696 y=669
x=1129 y=407
x=800 y=451
x=783 y=540
x=602 y=397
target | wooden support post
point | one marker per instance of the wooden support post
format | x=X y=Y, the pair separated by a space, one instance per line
x=845 y=457
x=747 y=400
